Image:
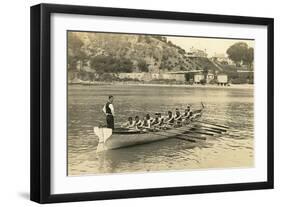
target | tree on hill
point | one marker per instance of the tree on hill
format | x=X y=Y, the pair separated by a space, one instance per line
x=249 y=57
x=240 y=52
x=109 y=64
x=142 y=66
x=76 y=52
x=181 y=51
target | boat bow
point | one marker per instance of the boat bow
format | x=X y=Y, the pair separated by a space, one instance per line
x=103 y=134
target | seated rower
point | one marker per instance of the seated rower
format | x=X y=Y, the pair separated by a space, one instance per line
x=194 y=115
x=191 y=116
x=186 y=115
x=129 y=124
x=158 y=121
x=145 y=123
x=170 y=119
x=189 y=111
x=149 y=118
x=138 y=122
x=178 y=117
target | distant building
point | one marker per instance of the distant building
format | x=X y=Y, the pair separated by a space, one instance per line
x=153 y=76
x=138 y=76
x=222 y=79
x=210 y=77
x=198 y=78
x=180 y=77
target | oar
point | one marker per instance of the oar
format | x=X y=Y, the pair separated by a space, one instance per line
x=196 y=137
x=177 y=134
x=215 y=124
x=177 y=137
x=191 y=139
x=213 y=128
x=186 y=139
x=187 y=131
x=210 y=130
x=199 y=132
x=223 y=126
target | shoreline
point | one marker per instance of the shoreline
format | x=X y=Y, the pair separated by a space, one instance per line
x=232 y=86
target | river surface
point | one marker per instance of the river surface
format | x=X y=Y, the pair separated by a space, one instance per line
x=225 y=106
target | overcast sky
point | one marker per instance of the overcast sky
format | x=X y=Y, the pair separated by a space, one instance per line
x=212 y=45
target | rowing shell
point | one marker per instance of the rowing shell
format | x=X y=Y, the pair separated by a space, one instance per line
x=125 y=138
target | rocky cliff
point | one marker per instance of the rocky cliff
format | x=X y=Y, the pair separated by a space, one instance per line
x=108 y=52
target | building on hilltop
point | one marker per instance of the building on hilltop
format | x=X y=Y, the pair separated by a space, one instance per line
x=193 y=52
x=222 y=59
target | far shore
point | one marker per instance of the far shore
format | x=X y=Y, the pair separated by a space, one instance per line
x=230 y=86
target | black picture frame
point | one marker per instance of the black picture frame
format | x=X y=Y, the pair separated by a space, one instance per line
x=41 y=102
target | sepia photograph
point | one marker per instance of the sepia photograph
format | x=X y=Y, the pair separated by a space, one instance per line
x=140 y=103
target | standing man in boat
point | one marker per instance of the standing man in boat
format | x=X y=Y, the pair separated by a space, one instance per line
x=108 y=110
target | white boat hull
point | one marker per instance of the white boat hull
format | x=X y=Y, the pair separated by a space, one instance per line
x=115 y=140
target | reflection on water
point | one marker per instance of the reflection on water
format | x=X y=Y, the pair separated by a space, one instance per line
x=231 y=107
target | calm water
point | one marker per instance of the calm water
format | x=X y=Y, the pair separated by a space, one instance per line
x=231 y=107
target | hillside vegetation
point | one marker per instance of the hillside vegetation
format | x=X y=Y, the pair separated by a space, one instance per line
x=114 y=53
x=102 y=56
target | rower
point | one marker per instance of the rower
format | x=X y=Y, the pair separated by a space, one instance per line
x=149 y=118
x=189 y=111
x=170 y=119
x=155 y=120
x=129 y=124
x=145 y=123
x=194 y=115
x=161 y=119
x=178 y=117
x=185 y=114
x=191 y=115
x=137 y=122
x=158 y=121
